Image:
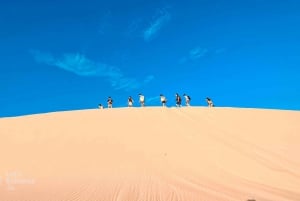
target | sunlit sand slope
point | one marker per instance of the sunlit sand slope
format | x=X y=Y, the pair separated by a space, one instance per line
x=151 y=154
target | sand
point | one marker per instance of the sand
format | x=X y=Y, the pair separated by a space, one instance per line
x=151 y=154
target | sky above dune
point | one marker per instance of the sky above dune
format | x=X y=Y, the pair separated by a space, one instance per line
x=69 y=55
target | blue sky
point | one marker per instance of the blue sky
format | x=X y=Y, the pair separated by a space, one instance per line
x=69 y=55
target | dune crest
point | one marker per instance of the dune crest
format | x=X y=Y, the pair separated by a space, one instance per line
x=151 y=154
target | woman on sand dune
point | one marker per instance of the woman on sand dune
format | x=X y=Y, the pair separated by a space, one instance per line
x=163 y=100
x=209 y=102
x=130 y=101
x=109 y=102
x=187 y=99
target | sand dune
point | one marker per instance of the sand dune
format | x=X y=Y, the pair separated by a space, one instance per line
x=151 y=154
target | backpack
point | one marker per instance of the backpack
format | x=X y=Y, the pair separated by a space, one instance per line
x=189 y=97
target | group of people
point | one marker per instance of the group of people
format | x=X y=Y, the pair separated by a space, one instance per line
x=163 y=101
x=141 y=100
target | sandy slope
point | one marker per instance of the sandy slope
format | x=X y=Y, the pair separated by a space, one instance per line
x=151 y=154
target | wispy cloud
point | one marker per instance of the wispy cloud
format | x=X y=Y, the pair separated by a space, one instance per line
x=148 y=79
x=156 y=24
x=194 y=54
x=133 y=29
x=82 y=66
x=197 y=53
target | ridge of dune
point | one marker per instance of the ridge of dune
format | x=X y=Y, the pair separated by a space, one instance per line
x=151 y=153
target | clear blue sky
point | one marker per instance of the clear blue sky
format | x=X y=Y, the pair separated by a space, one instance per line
x=69 y=55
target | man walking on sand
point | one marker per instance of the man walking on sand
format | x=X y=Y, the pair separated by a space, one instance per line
x=142 y=100
x=178 y=100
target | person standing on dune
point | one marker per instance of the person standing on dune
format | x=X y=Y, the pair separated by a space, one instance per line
x=209 y=102
x=142 y=100
x=130 y=101
x=178 y=100
x=187 y=99
x=163 y=100
x=109 y=102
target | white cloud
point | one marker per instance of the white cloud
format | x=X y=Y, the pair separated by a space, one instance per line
x=82 y=66
x=156 y=24
x=194 y=54
x=197 y=53
x=148 y=79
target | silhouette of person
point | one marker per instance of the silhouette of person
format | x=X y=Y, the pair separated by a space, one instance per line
x=100 y=106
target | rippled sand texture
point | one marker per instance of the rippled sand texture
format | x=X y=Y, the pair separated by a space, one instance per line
x=151 y=154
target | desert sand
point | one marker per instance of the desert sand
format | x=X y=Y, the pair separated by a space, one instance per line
x=151 y=154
